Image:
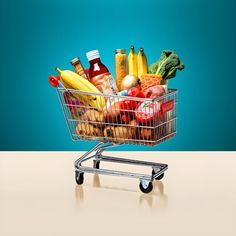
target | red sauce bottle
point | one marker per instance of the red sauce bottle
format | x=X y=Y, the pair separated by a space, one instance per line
x=99 y=75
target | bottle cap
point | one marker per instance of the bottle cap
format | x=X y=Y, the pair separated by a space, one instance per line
x=120 y=51
x=92 y=55
x=75 y=61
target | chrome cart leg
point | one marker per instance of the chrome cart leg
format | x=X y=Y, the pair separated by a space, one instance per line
x=103 y=148
x=79 y=174
x=98 y=155
x=146 y=186
x=85 y=155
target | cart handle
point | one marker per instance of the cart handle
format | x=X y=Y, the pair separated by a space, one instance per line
x=54 y=80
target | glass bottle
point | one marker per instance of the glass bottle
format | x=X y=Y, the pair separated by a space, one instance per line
x=78 y=67
x=120 y=66
x=99 y=75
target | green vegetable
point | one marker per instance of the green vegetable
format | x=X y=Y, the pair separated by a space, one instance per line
x=167 y=65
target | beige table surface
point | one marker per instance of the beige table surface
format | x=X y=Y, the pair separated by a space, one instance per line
x=39 y=197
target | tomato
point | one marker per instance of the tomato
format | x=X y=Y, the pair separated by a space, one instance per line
x=125 y=118
x=128 y=105
x=135 y=92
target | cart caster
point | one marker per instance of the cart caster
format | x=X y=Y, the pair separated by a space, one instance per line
x=96 y=164
x=145 y=186
x=79 y=177
x=158 y=177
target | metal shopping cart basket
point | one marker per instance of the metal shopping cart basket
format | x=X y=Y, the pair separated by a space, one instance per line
x=111 y=126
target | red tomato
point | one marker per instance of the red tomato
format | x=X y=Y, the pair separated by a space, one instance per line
x=125 y=118
x=135 y=92
x=128 y=105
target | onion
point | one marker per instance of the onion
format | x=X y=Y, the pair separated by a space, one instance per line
x=129 y=81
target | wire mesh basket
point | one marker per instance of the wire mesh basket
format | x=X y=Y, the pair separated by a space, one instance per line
x=122 y=120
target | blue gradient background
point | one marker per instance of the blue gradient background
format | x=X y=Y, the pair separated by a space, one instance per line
x=37 y=36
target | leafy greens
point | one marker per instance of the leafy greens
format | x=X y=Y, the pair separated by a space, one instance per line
x=167 y=65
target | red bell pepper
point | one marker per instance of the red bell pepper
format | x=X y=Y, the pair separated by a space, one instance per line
x=135 y=92
x=130 y=105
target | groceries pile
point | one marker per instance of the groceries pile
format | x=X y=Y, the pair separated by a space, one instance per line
x=123 y=108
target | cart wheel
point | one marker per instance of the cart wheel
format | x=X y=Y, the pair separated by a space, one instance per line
x=79 y=177
x=146 y=188
x=96 y=164
x=158 y=177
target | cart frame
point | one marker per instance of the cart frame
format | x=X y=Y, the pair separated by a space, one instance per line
x=146 y=186
x=96 y=153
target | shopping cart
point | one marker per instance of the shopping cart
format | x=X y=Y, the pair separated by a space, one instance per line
x=111 y=126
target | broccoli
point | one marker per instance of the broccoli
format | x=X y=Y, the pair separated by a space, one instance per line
x=167 y=65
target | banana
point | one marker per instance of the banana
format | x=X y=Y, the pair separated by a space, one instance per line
x=132 y=62
x=85 y=99
x=77 y=82
x=142 y=63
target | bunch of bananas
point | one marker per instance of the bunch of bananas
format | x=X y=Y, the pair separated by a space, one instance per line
x=137 y=65
x=74 y=81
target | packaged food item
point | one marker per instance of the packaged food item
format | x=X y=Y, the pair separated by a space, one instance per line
x=99 y=75
x=120 y=66
x=149 y=80
x=147 y=111
x=78 y=67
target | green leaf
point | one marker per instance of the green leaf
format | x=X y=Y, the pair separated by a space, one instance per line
x=167 y=65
